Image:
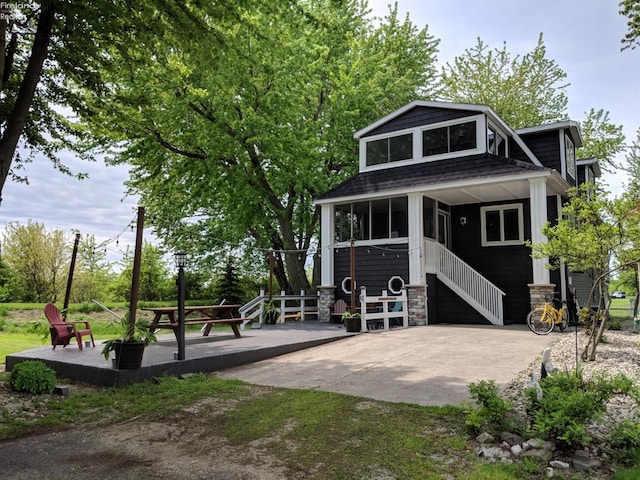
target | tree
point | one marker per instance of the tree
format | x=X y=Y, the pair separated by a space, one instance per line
x=229 y=148
x=92 y=273
x=525 y=91
x=38 y=259
x=631 y=10
x=52 y=49
x=227 y=287
x=594 y=233
x=601 y=139
x=155 y=280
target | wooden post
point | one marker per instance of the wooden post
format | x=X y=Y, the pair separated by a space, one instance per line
x=271 y=266
x=137 y=260
x=353 y=276
x=72 y=267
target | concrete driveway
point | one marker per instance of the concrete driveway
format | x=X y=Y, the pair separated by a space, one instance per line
x=430 y=365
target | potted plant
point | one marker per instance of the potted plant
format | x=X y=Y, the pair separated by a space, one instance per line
x=130 y=344
x=269 y=312
x=351 y=321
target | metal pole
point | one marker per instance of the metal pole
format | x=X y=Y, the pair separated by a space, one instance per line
x=72 y=267
x=181 y=314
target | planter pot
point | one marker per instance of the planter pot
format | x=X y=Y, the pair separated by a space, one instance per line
x=128 y=355
x=352 y=324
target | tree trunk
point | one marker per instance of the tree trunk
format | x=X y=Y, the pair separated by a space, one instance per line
x=18 y=116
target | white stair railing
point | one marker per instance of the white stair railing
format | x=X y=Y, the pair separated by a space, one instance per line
x=466 y=282
x=299 y=306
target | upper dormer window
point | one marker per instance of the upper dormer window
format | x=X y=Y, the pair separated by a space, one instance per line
x=496 y=143
x=392 y=149
x=451 y=138
x=570 y=156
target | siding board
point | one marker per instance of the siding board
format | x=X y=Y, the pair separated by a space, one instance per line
x=420 y=116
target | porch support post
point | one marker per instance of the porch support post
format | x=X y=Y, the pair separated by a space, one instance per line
x=417 y=287
x=326 y=291
x=538 y=207
x=416 y=271
x=326 y=244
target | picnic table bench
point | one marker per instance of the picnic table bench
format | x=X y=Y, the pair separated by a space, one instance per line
x=209 y=315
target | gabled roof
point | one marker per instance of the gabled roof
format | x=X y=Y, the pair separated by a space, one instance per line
x=593 y=162
x=488 y=111
x=574 y=129
x=476 y=169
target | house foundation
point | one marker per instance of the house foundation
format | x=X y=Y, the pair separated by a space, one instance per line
x=539 y=293
x=417 y=300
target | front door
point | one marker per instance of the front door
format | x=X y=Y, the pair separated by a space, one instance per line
x=444 y=228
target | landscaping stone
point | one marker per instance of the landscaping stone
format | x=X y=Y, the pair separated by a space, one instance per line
x=485 y=437
x=511 y=438
x=559 y=464
x=583 y=461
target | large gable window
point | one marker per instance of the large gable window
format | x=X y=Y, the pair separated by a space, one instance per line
x=378 y=219
x=451 y=138
x=392 y=149
x=502 y=225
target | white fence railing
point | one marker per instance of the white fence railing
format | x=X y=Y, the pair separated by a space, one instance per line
x=383 y=311
x=299 y=307
x=475 y=289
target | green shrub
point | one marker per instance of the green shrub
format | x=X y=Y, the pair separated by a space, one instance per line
x=492 y=409
x=569 y=402
x=32 y=376
x=625 y=439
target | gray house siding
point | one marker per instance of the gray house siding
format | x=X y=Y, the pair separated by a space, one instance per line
x=374 y=266
x=545 y=146
x=508 y=267
x=444 y=306
x=420 y=116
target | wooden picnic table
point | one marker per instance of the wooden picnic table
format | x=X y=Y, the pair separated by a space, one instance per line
x=207 y=315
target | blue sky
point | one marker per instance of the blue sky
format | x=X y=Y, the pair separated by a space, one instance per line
x=582 y=36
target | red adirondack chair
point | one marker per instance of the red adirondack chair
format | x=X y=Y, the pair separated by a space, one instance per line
x=337 y=310
x=62 y=332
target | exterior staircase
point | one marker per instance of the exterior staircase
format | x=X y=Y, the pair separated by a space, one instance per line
x=466 y=282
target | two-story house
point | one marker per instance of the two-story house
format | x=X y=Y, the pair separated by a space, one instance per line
x=446 y=196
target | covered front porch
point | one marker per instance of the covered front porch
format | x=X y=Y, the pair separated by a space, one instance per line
x=468 y=233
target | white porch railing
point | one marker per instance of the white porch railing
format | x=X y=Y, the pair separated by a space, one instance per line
x=475 y=289
x=383 y=310
x=289 y=305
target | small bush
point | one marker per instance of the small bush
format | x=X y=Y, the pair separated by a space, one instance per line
x=32 y=376
x=569 y=402
x=625 y=440
x=492 y=409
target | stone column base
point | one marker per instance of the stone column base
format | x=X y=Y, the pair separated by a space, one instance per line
x=417 y=300
x=326 y=299
x=539 y=293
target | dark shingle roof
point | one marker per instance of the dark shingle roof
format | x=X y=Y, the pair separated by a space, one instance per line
x=428 y=173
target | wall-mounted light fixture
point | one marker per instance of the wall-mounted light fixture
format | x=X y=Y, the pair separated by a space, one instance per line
x=463 y=221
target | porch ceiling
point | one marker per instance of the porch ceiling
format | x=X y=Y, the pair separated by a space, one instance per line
x=496 y=191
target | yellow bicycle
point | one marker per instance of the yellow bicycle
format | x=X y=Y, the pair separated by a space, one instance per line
x=542 y=320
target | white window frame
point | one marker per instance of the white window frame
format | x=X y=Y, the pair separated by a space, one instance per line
x=501 y=209
x=570 y=162
x=481 y=135
x=497 y=131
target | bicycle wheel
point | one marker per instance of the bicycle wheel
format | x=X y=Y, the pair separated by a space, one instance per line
x=564 y=319
x=540 y=322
